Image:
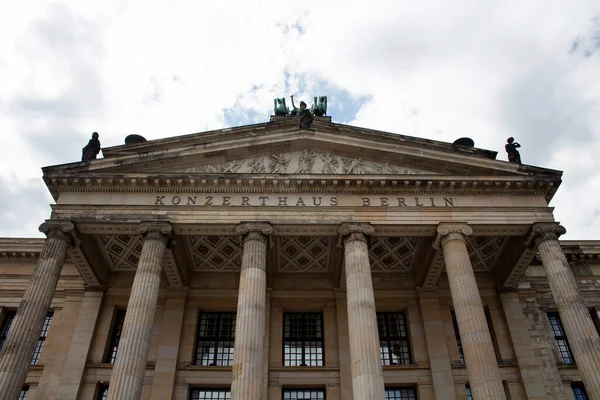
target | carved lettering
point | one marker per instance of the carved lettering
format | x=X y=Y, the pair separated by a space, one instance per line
x=366 y=201
x=191 y=200
x=300 y=202
x=159 y=200
x=432 y=202
x=263 y=199
x=448 y=201
x=384 y=201
x=418 y=203
x=245 y=201
x=282 y=201
x=401 y=202
x=315 y=201
x=208 y=201
x=226 y=200
x=333 y=201
x=176 y=200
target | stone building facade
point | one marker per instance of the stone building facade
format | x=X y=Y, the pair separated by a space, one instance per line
x=268 y=262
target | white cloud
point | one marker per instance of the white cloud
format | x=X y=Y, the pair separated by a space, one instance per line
x=434 y=69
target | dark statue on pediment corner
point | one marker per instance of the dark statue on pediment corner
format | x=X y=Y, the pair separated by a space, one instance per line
x=511 y=148
x=306 y=118
x=91 y=150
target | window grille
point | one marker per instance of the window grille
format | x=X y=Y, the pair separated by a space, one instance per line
x=215 y=339
x=579 y=391
x=393 y=339
x=561 y=339
x=459 y=346
x=210 y=394
x=303 y=394
x=102 y=393
x=303 y=340
x=42 y=339
x=115 y=336
x=469 y=394
x=5 y=327
x=23 y=394
x=400 y=394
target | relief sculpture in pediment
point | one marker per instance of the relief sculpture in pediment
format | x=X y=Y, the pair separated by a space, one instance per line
x=305 y=162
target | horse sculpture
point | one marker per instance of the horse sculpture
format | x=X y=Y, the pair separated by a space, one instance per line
x=279 y=107
x=318 y=109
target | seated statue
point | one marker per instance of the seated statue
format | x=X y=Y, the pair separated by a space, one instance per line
x=511 y=148
x=319 y=108
x=91 y=150
x=280 y=107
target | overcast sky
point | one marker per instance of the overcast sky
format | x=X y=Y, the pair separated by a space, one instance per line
x=433 y=69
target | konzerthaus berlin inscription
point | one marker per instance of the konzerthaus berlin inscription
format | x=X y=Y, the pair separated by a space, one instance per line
x=299 y=259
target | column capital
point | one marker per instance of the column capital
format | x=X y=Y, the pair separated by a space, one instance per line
x=447 y=232
x=157 y=230
x=540 y=232
x=255 y=231
x=62 y=230
x=355 y=231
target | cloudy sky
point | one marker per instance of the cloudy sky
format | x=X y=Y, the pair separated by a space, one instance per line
x=432 y=69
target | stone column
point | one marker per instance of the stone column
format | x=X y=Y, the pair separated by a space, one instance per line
x=248 y=355
x=24 y=333
x=578 y=324
x=130 y=366
x=480 y=358
x=367 y=373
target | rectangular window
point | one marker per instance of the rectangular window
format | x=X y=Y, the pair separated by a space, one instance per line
x=400 y=394
x=469 y=394
x=561 y=339
x=42 y=339
x=596 y=318
x=394 y=346
x=102 y=393
x=303 y=394
x=579 y=391
x=6 y=323
x=115 y=336
x=490 y=324
x=23 y=394
x=210 y=394
x=303 y=340
x=215 y=339
x=458 y=341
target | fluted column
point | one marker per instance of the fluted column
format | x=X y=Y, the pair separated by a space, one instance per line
x=24 y=333
x=579 y=327
x=248 y=355
x=130 y=366
x=480 y=359
x=367 y=373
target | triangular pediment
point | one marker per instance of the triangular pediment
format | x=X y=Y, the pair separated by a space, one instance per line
x=280 y=148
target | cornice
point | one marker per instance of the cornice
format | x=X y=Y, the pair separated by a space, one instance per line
x=326 y=184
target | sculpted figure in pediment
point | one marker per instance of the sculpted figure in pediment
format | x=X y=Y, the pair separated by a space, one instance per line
x=330 y=163
x=257 y=166
x=230 y=167
x=353 y=166
x=278 y=163
x=306 y=162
